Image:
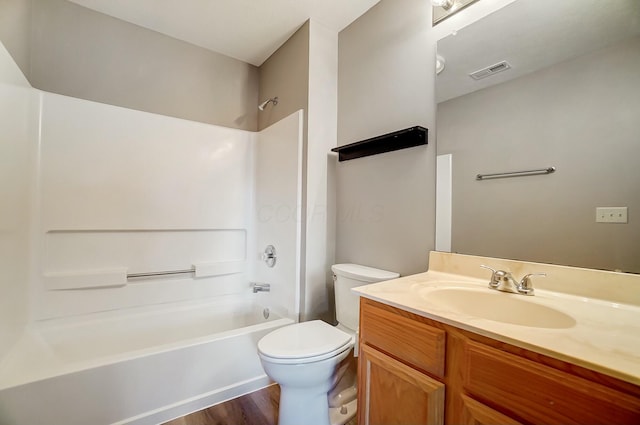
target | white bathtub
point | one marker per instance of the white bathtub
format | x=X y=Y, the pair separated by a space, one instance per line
x=144 y=366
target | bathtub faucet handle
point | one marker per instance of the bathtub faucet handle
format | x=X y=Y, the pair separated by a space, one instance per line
x=269 y=256
x=260 y=287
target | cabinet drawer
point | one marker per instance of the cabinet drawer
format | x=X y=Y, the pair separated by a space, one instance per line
x=415 y=343
x=541 y=394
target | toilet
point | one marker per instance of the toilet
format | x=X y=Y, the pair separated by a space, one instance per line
x=310 y=360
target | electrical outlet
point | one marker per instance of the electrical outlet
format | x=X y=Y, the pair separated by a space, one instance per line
x=611 y=214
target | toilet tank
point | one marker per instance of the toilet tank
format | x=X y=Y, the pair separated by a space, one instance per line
x=347 y=276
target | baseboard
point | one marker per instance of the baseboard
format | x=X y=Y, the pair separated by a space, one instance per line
x=190 y=405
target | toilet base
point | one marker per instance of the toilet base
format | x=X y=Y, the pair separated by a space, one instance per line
x=334 y=403
x=298 y=406
x=295 y=405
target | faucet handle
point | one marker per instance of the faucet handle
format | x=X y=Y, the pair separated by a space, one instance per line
x=526 y=287
x=260 y=287
x=495 y=279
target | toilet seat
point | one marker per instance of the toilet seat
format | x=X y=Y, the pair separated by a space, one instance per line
x=304 y=343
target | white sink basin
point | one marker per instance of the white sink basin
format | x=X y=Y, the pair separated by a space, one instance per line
x=497 y=306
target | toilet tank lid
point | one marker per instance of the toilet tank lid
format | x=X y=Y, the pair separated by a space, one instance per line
x=363 y=273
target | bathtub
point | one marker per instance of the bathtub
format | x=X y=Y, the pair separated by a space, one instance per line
x=139 y=367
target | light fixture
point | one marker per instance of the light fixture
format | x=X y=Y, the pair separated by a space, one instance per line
x=445 y=4
x=442 y=9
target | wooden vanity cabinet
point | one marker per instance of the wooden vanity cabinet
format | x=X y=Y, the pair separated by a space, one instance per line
x=413 y=370
x=399 y=366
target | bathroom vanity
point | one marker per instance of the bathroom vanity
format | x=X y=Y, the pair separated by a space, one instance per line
x=441 y=347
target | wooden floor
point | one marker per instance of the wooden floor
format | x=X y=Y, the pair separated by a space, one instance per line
x=257 y=408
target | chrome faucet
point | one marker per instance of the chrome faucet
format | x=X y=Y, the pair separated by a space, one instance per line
x=505 y=282
x=260 y=287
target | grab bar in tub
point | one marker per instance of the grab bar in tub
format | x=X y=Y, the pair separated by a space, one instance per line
x=149 y=274
x=117 y=277
x=200 y=269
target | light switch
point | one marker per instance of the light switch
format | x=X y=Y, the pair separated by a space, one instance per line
x=611 y=214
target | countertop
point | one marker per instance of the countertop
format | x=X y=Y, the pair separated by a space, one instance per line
x=604 y=335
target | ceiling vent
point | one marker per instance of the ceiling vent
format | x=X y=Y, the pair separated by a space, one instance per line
x=490 y=70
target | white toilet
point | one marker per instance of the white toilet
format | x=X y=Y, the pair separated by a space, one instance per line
x=309 y=360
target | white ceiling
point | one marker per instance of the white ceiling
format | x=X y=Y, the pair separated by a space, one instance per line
x=531 y=35
x=249 y=30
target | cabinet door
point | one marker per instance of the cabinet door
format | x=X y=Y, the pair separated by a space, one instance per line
x=476 y=413
x=392 y=393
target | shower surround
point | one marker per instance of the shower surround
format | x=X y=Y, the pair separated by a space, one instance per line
x=109 y=193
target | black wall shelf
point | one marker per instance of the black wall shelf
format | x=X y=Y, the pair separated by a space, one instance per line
x=402 y=139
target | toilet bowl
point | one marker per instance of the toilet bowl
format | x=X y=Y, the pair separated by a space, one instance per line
x=312 y=361
x=303 y=358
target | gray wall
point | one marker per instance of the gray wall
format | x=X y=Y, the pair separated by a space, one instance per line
x=78 y=52
x=15 y=30
x=386 y=203
x=285 y=74
x=580 y=116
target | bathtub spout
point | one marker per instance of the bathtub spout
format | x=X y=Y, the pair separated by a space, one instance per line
x=260 y=287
